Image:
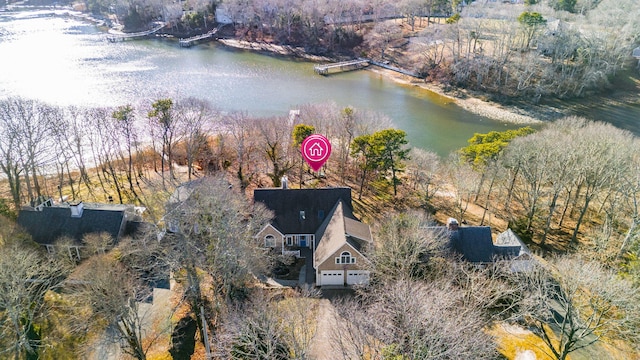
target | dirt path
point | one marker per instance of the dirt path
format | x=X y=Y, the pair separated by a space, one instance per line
x=320 y=348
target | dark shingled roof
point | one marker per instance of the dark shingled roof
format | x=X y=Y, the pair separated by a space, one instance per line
x=317 y=204
x=474 y=243
x=333 y=234
x=51 y=223
x=508 y=245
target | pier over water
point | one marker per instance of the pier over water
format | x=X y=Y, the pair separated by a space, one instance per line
x=190 y=41
x=350 y=65
x=125 y=36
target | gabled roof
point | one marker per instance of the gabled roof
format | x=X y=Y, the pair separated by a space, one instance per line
x=183 y=191
x=338 y=230
x=355 y=228
x=474 y=243
x=50 y=223
x=287 y=205
x=509 y=245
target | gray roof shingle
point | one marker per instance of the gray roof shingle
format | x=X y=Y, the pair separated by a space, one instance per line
x=287 y=205
x=474 y=243
x=49 y=224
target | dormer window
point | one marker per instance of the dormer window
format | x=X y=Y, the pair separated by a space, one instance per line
x=302 y=215
x=76 y=209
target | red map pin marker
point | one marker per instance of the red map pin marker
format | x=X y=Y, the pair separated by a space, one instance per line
x=316 y=150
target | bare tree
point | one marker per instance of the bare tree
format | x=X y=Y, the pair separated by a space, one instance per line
x=256 y=332
x=107 y=152
x=26 y=276
x=405 y=245
x=576 y=304
x=424 y=168
x=126 y=136
x=10 y=162
x=276 y=134
x=209 y=231
x=197 y=121
x=300 y=314
x=112 y=294
x=630 y=186
x=464 y=182
x=382 y=36
x=27 y=121
x=165 y=126
x=241 y=129
x=604 y=150
x=415 y=320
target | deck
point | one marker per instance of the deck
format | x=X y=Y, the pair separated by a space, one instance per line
x=350 y=65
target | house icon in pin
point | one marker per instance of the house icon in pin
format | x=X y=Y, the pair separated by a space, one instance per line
x=315 y=150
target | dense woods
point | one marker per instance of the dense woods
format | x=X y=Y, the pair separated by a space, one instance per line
x=527 y=50
x=568 y=189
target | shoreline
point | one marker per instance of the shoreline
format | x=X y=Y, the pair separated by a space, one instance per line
x=281 y=50
x=469 y=103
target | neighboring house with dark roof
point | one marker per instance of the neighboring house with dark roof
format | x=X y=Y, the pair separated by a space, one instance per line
x=48 y=222
x=475 y=244
x=322 y=221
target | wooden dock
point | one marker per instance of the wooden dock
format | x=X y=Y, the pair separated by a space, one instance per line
x=137 y=35
x=190 y=41
x=350 y=65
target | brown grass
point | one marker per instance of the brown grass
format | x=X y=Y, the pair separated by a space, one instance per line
x=513 y=340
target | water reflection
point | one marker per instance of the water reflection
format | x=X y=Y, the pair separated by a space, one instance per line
x=67 y=62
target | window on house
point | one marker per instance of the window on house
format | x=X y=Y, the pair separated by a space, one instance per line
x=345 y=258
x=172 y=226
x=269 y=241
x=302 y=215
x=289 y=240
x=74 y=253
x=50 y=249
x=320 y=214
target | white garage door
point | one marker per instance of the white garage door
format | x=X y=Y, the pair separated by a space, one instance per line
x=333 y=277
x=357 y=277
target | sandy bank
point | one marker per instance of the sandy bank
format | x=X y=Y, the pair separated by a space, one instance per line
x=283 y=50
x=477 y=106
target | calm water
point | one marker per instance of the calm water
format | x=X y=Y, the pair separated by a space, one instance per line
x=68 y=62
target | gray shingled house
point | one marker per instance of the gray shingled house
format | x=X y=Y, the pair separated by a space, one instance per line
x=320 y=224
x=475 y=244
x=48 y=222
